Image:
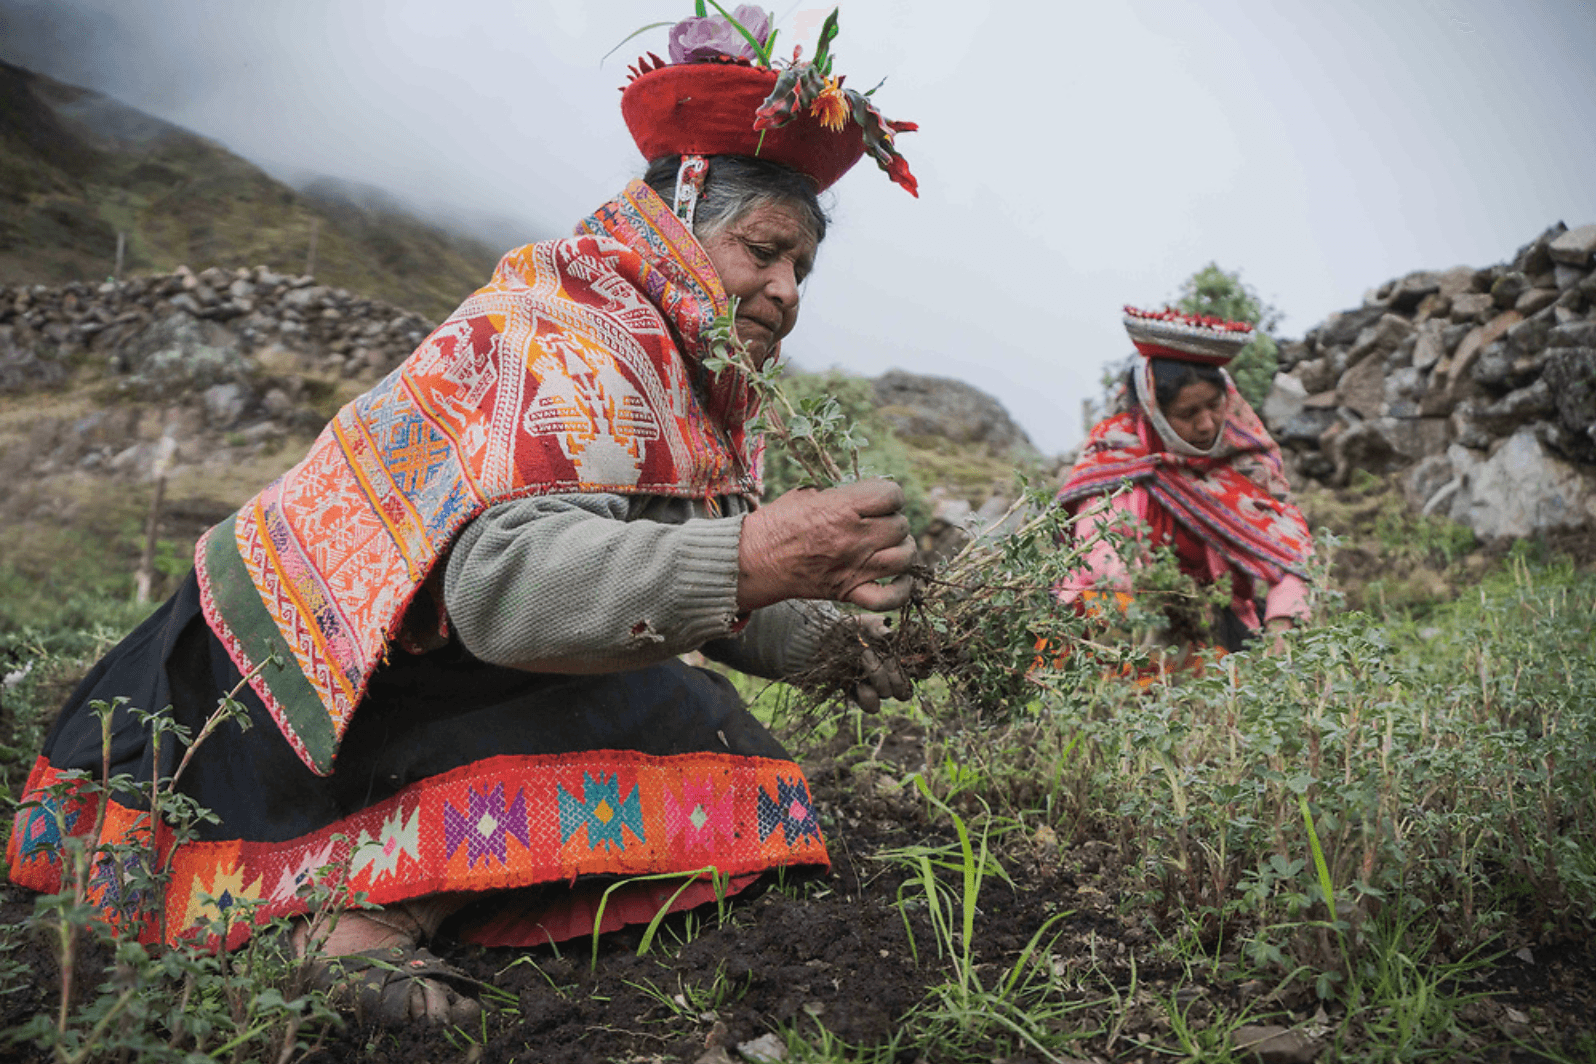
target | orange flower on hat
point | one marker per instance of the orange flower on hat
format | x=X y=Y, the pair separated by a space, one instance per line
x=831 y=107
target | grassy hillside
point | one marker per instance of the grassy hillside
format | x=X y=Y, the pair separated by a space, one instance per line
x=76 y=168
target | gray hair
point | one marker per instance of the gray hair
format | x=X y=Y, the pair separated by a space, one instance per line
x=737 y=184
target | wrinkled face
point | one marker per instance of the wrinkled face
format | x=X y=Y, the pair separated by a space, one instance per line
x=762 y=259
x=1197 y=413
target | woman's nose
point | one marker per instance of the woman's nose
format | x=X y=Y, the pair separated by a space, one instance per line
x=782 y=286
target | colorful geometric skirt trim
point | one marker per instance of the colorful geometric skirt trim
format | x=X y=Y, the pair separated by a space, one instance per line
x=499 y=824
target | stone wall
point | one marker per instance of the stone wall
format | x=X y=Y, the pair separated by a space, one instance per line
x=182 y=328
x=182 y=371
x=1478 y=385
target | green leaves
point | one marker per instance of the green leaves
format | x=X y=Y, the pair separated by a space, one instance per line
x=828 y=31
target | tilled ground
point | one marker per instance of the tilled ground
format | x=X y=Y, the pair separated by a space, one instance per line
x=834 y=953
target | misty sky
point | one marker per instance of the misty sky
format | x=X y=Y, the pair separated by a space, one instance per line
x=1073 y=157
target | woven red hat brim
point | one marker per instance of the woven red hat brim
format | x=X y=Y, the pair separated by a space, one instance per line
x=1160 y=351
x=708 y=109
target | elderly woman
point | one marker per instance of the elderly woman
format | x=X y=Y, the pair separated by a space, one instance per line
x=454 y=626
x=1205 y=480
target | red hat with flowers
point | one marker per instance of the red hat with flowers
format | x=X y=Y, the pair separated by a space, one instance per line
x=722 y=93
x=1171 y=333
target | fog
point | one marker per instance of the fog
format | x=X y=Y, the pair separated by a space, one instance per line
x=1072 y=157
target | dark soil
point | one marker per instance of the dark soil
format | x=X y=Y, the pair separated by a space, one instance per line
x=833 y=951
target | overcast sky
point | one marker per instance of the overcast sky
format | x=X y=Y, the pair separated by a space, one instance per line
x=1072 y=157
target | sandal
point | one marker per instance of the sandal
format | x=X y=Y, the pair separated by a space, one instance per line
x=390 y=986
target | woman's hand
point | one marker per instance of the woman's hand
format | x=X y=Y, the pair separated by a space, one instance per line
x=1277 y=627
x=832 y=544
x=884 y=676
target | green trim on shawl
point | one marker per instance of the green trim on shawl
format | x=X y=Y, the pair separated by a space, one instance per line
x=244 y=622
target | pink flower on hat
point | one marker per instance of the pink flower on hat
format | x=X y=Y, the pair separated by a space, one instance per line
x=713 y=36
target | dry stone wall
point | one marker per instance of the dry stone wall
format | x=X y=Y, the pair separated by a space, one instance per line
x=1478 y=385
x=183 y=329
x=237 y=357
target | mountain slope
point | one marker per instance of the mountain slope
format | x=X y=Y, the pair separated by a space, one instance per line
x=77 y=167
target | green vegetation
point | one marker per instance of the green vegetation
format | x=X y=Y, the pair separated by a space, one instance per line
x=1222 y=294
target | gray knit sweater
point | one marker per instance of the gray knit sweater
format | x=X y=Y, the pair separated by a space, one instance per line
x=602 y=583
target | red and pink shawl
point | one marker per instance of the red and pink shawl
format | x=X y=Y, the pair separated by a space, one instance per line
x=1233 y=499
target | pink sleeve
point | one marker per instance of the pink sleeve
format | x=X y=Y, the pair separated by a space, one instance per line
x=1104 y=569
x=1288 y=598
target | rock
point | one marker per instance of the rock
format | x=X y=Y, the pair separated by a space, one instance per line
x=1450 y=380
x=1530 y=335
x=1298 y=351
x=1275 y=1045
x=1575 y=247
x=1567 y=277
x=1535 y=299
x=1517 y=408
x=180 y=353
x=1427 y=477
x=1381 y=337
x=1403 y=387
x=23 y=368
x=1408 y=292
x=224 y=404
x=1508 y=288
x=1361 y=446
x=1471 y=306
x=1286 y=396
x=1570 y=375
x=1307 y=426
x=1363 y=387
x=186 y=303
x=1535 y=258
x=302 y=298
x=1315 y=375
x=1434 y=305
x=1466 y=429
x=1402 y=354
x=1522 y=490
x=1413 y=438
x=766 y=1049
x=1572 y=334
x=1457 y=281
x=1493 y=367
x=1428 y=347
x=917 y=405
x=1341 y=328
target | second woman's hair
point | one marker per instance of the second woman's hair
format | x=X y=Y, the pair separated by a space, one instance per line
x=737 y=184
x=1170 y=375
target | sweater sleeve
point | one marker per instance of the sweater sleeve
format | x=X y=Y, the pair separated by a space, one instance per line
x=1289 y=599
x=1103 y=569
x=779 y=641
x=568 y=583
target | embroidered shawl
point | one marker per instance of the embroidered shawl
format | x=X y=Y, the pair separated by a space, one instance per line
x=575 y=369
x=1233 y=498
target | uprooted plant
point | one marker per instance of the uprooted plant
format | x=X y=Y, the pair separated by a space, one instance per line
x=986 y=619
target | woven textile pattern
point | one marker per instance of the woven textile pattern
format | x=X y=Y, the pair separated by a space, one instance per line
x=495 y=824
x=575 y=369
x=1234 y=499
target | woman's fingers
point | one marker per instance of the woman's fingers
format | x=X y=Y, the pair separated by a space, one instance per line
x=882 y=598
